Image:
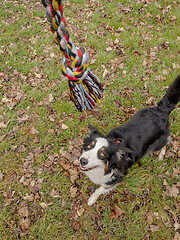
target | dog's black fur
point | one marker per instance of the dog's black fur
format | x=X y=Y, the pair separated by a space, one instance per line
x=147 y=131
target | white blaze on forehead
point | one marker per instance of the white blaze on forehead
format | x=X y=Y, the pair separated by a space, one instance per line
x=101 y=142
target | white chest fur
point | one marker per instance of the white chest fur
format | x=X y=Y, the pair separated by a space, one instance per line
x=97 y=176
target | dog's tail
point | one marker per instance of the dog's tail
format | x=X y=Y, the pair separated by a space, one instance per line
x=171 y=98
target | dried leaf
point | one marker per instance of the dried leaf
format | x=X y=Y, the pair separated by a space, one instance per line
x=28 y=197
x=74 y=175
x=54 y=194
x=105 y=73
x=23 y=212
x=8 y=202
x=23 y=118
x=43 y=205
x=2 y=137
x=154 y=228
x=64 y=127
x=52 y=117
x=116 y=212
x=149 y=217
x=33 y=131
x=176 y=226
x=1 y=176
x=175 y=66
x=63 y=203
x=165 y=183
x=172 y=191
x=73 y=191
x=24 y=224
x=48 y=100
x=80 y=212
x=4 y=125
x=175 y=173
x=176 y=236
x=65 y=165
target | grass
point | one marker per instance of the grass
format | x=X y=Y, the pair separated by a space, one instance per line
x=30 y=70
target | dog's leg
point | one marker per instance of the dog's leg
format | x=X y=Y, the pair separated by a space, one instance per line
x=163 y=150
x=97 y=193
x=162 y=153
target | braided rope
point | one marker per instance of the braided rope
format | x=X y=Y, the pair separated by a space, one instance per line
x=84 y=87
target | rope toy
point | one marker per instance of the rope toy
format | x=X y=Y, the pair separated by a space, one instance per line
x=84 y=87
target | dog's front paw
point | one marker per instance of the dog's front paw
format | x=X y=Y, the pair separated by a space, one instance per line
x=92 y=200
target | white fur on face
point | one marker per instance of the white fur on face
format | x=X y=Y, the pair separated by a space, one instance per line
x=91 y=154
x=97 y=174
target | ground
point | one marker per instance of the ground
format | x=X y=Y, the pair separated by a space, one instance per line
x=134 y=50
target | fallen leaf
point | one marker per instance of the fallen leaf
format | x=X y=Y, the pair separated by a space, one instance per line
x=24 y=224
x=165 y=183
x=154 y=228
x=64 y=127
x=23 y=212
x=48 y=100
x=172 y=191
x=43 y=205
x=2 y=137
x=4 y=125
x=33 y=131
x=8 y=201
x=176 y=226
x=149 y=217
x=51 y=130
x=54 y=194
x=23 y=118
x=1 y=176
x=80 y=212
x=73 y=191
x=105 y=73
x=175 y=66
x=176 y=236
x=63 y=203
x=52 y=118
x=108 y=49
x=28 y=197
x=65 y=165
x=175 y=173
x=116 y=212
x=74 y=175
x=73 y=178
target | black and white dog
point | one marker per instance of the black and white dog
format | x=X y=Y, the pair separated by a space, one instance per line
x=106 y=159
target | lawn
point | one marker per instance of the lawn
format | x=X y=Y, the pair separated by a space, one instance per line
x=134 y=49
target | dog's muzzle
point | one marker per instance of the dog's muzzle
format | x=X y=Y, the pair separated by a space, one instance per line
x=83 y=162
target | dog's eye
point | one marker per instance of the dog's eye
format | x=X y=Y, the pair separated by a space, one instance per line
x=101 y=153
x=90 y=146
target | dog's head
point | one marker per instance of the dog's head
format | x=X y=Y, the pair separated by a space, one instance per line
x=101 y=152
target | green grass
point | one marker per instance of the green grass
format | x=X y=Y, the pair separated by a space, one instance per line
x=30 y=70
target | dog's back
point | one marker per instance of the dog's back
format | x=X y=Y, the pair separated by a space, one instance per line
x=148 y=130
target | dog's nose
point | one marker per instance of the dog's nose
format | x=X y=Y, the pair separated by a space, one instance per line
x=83 y=161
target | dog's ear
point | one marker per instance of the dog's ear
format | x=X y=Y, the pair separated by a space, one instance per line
x=125 y=157
x=120 y=160
x=92 y=129
x=114 y=161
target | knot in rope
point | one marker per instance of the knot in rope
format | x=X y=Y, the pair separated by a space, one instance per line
x=84 y=87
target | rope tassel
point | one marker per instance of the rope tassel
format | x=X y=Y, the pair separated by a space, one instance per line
x=84 y=87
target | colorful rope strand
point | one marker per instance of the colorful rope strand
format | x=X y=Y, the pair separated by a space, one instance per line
x=84 y=87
